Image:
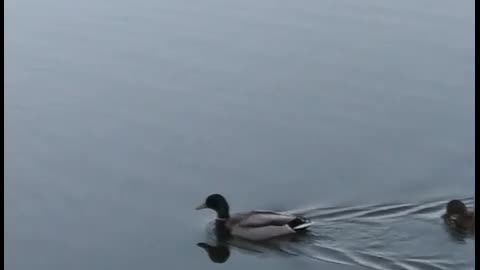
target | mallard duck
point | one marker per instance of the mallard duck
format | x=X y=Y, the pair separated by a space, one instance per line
x=255 y=225
x=459 y=217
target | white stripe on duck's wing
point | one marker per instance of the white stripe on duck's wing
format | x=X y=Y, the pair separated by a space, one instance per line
x=264 y=218
x=261 y=233
x=303 y=226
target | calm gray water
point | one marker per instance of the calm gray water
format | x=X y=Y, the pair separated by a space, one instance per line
x=121 y=116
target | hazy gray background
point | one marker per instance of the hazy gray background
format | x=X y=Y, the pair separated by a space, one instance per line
x=121 y=116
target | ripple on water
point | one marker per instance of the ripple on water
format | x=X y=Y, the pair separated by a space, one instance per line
x=365 y=236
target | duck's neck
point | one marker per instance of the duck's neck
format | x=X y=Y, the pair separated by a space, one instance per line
x=221 y=230
x=223 y=212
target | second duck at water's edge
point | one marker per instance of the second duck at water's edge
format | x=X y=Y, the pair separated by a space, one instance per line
x=458 y=217
x=255 y=225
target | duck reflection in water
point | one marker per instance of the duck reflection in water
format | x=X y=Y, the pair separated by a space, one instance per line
x=219 y=248
x=220 y=252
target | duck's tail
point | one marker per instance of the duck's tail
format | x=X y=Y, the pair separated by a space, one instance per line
x=300 y=224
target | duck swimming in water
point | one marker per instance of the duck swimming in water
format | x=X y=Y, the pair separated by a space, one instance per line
x=255 y=225
x=459 y=217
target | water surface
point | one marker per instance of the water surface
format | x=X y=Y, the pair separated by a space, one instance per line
x=121 y=116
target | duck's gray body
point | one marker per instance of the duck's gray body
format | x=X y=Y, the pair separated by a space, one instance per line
x=261 y=225
x=255 y=225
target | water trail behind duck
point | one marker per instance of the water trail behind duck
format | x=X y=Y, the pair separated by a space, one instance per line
x=378 y=213
x=363 y=236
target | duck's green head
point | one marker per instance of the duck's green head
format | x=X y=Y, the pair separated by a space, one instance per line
x=456 y=207
x=218 y=203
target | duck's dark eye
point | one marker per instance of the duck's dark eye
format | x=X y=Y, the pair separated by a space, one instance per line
x=211 y=202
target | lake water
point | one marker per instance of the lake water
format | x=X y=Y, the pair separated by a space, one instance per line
x=122 y=116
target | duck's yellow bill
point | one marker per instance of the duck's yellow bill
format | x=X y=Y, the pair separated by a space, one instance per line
x=202 y=206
